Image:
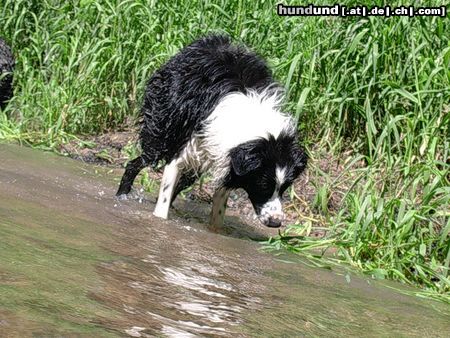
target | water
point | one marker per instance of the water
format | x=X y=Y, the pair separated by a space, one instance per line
x=76 y=262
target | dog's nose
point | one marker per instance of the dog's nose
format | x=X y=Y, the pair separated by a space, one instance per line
x=274 y=222
x=271 y=218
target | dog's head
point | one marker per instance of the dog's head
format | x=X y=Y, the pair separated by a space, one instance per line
x=265 y=168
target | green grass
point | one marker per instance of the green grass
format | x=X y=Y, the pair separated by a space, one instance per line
x=374 y=86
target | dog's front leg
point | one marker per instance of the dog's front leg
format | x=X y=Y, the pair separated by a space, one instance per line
x=169 y=182
x=218 y=209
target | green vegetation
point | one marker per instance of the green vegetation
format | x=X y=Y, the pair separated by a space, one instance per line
x=373 y=91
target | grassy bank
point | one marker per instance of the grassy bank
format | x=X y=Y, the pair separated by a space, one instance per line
x=373 y=91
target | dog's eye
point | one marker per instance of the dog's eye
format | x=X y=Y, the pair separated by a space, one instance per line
x=262 y=191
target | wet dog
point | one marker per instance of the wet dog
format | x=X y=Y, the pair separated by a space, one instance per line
x=214 y=107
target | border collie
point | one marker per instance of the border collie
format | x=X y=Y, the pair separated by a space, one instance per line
x=214 y=107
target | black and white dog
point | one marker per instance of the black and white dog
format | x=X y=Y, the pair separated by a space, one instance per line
x=215 y=107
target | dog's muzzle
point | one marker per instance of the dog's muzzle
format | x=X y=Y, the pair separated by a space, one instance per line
x=271 y=213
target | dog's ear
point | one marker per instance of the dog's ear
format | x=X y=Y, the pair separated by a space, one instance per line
x=244 y=161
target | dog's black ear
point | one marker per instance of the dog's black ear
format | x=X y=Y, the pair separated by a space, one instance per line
x=244 y=161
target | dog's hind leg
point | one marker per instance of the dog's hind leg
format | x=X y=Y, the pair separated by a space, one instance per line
x=218 y=209
x=132 y=169
x=186 y=180
x=166 y=191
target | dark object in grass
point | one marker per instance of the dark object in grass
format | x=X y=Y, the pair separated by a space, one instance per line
x=6 y=73
x=214 y=106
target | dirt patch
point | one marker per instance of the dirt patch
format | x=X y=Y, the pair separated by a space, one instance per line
x=106 y=149
x=315 y=194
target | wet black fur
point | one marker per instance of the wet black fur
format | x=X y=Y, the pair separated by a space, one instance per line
x=6 y=69
x=185 y=91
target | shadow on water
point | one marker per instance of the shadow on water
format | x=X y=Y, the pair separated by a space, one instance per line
x=74 y=261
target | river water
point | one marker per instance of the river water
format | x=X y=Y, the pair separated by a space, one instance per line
x=76 y=262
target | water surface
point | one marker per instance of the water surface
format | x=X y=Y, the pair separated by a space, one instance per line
x=76 y=262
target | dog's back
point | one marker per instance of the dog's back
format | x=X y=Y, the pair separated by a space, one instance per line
x=184 y=92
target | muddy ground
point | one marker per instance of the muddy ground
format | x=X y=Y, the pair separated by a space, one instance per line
x=324 y=176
